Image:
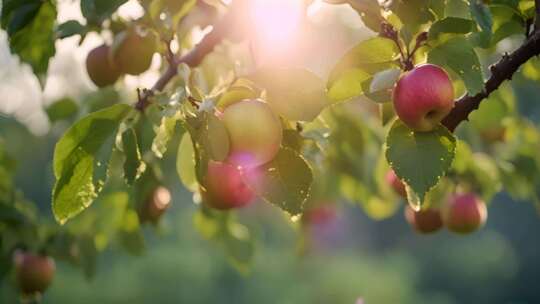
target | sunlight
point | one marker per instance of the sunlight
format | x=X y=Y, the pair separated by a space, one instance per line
x=276 y=23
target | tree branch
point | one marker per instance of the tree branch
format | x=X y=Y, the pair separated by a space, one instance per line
x=192 y=59
x=537 y=17
x=501 y=71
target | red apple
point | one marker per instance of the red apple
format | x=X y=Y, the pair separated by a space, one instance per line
x=424 y=221
x=225 y=188
x=321 y=215
x=465 y=213
x=100 y=68
x=396 y=183
x=34 y=272
x=423 y=97
x=156 y=205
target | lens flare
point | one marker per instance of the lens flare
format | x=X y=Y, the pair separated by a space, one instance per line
x=276 y=26
x=276 y=21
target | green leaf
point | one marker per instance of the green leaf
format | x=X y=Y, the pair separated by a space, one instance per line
x=292 y=139
x=380 y=88
x=75 y=160
x=210 y=141
x=358 y=64
x=412 y=12
x=31 y=36
x=240 y=90
x=452 y=25
x=185 y=164
x=70 y=28
x=133 y=164
x=420 y=159
x=481 y=15
x=457 y=8
x=164 y=134
x=63 y=109
x=96 y=11
x=348 y=84
x=458 y=55
x=18 y=14
x=387 y=112
x=296 y=94
x=285 y=181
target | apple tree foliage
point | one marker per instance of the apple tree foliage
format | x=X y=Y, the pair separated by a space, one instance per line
x=340 y=133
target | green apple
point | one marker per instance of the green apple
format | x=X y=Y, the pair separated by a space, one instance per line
x=255 y=133
x=132 y=50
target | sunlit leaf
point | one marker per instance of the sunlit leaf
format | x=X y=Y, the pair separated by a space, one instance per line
x=76 y=160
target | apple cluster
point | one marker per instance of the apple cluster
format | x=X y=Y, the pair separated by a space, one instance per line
x=462 y=213
x=130 y=53
x=255 y=134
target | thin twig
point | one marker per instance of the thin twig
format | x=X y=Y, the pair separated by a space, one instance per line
x=192 y=59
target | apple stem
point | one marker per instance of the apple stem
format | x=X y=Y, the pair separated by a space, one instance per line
x=501 y=71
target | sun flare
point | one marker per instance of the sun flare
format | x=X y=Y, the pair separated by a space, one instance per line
x=276 y=22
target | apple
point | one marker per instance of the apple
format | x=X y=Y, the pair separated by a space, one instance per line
x=320 y=215
x=255 y=133
x=465 y=213
x=397 y=185
x=132 y=51
x=156 y=205
x=100 y=68
x=423 y=97
x=34 y=273
x=424 y=221
x=224 y=187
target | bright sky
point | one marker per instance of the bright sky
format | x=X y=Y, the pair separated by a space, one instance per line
x=276 y=21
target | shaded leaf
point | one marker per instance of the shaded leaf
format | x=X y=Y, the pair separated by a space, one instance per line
x=63 y=109
x=285 y=181
x=420 y=159
x=164 y=133
x=133 y=164
x=31 y=34
x=70 y=28
x=458 y=55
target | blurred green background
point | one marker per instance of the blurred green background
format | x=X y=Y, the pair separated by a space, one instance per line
x=352 y=256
